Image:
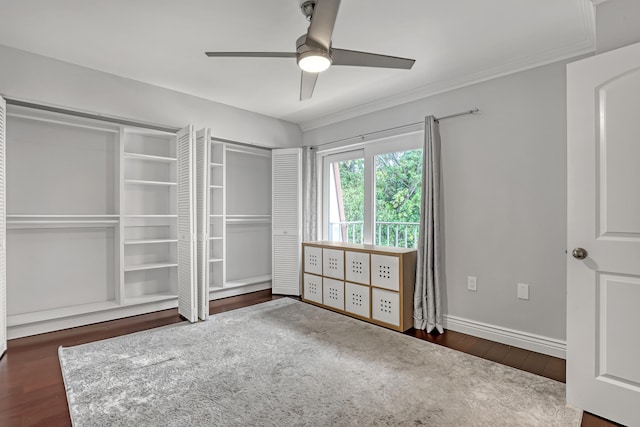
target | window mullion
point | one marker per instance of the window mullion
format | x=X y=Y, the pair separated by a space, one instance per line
x=369 y=197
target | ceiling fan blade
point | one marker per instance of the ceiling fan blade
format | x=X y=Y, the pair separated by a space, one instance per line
x=307 y=84
x=365 y=59
x=323 y=19
x=252 y=54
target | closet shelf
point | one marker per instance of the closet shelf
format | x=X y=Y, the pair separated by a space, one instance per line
x=150 y=216
x=143 y=182
x=248 y=219
x=59 y=313
x=62 y=216
x=215 y=259
x=248 y=281
x=219 y=187
x=150 y=266
x=60 y=223
x=149 y=157
x=148 y=241
x=144 y=299
x=216 y=238
x=216 y=164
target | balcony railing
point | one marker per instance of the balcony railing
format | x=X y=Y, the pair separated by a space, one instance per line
x=399 y=234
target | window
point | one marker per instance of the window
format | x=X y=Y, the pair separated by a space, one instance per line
x=345 y=188
x=372 y=195
x=398 y=192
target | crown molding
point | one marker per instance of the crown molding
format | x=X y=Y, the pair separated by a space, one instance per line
x=583 y=47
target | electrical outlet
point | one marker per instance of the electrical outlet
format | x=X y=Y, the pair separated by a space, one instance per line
x=523 y=291
x=472 y=283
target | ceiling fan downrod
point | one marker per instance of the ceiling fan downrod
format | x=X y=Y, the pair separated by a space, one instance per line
x=307 y=7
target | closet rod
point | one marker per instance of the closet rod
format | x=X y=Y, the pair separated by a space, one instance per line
x=100 y=117
x=115 y=120
x=244 y=144
x=367 y=136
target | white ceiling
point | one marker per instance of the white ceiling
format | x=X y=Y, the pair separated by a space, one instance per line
x=162 y=42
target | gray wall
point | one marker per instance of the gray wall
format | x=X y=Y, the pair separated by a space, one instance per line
x=40 y=79
x=617 y=24
x=504 y=173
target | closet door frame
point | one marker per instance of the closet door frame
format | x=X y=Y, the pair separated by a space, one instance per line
x=3 y=231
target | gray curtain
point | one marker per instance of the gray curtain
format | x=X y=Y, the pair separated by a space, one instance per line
x=427 y=311
x=309 y=195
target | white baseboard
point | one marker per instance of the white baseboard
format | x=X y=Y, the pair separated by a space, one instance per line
x=512 y=337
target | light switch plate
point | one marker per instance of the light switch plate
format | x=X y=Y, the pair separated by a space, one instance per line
x=523 y=291
x=472 y=283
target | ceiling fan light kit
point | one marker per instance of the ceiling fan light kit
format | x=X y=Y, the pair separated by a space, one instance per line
x=314 y=61
x=314 y=52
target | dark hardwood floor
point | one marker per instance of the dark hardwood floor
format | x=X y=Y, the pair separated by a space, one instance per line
x=32 y=392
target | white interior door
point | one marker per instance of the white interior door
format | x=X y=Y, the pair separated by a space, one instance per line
x=603 y=283
x=203 y=140
x=286 y=220
x=187 y=292
x=3 y=233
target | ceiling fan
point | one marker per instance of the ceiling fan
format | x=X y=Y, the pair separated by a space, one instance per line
x=314 y=52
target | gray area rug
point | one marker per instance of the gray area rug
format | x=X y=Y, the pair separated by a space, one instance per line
x=287 y=363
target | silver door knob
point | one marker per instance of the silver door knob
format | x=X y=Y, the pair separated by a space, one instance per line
x=579 y=253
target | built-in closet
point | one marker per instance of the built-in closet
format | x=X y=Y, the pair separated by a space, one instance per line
x=94 y=212
x=234 y=218
x=248 y=219
x=107 y=219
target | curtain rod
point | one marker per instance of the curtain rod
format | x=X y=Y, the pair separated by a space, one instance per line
x=366 y=136
x=464 y=113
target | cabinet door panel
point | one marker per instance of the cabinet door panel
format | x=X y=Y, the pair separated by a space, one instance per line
x=385 y=272
x=312 y=290
x=333 y=263
x=333 y=293
x=313 y=260
x=385 y=306
x=357 y=267
x=356 y=299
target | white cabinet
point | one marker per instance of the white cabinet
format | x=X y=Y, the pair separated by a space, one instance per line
x=372 y=283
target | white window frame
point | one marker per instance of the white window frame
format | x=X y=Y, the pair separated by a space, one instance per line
x=368 y=151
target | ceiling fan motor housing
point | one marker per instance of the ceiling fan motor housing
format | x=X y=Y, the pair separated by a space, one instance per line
x=304 y=49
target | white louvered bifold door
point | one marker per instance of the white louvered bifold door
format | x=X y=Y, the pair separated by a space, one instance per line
x=187 y=295
x=287 y=220
x=3 y=232
x=203 y=140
